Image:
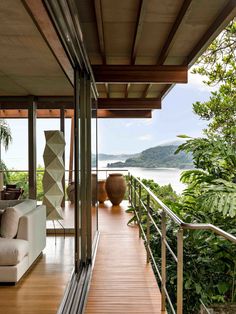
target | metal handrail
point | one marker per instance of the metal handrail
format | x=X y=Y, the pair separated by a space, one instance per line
x=176 y=219
x=183 y=224
x=67 y=170
x=135 y=194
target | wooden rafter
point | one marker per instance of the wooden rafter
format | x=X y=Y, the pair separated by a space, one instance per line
x=43 y=102
x=124 y=113
x=127 y=87
x=166 y=90
x=147 y=90
x=107 y=90
x=138 y=29
x=128 y=103
x=41 y=113
x=140 y=74
x=100 y=29
x=225 y=16
x=170 y=40
x=221 y=21
x=44 y=24
x=55 y=114
x=172 y=35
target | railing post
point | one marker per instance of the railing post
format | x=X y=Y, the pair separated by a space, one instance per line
x=139 y=207
x=180 y=240
x=129 y=188
x=163 y=261
x=135 y=184
x=148 y=228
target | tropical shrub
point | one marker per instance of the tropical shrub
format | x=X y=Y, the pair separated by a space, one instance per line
x=209 y=260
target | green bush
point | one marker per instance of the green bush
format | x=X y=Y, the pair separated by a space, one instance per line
x=209 y=260
x=22 y=181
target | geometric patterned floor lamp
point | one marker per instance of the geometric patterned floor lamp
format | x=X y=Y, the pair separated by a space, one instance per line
x=53 y=174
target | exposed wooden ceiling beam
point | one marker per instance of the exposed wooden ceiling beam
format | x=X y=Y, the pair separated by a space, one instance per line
x=41 y=113
x=43 y=102
x=140 y=74
x=172 y=35
x=107 y=90
x=147 y=90
x=127 y=87
x=55 y=114
x=129 y=103
x=222 y=20
x=170 y=40
x=100 y=29
x=166 y=90
x=124 y=114
x=138 y=29
x=44 y=24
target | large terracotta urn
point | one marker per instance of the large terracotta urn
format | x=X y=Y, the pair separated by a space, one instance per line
x=102 y=194
x=71 y=192
x=116 y=187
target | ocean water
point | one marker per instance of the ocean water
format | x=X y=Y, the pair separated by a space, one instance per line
x=162 y=176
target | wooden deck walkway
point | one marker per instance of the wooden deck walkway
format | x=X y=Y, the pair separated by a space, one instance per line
x=122 y=281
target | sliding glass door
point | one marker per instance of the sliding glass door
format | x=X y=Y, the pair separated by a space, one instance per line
x=85 y=169
x=94 y=161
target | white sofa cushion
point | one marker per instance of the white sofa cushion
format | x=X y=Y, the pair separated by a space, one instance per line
x=9 y=203
x=25 y=206
x=12 y=251
x=9 y=222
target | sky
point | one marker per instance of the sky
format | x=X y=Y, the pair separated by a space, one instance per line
x=176 y=117
x=116 y=136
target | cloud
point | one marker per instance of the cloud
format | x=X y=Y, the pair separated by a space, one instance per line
x=174 y=141
x=196 y=81
x=128 y=124
x=146 y=137
x=147 y=121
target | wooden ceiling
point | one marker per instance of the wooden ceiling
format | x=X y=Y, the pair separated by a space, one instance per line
x=138 y=49
x=27 y=64
x=148 y=32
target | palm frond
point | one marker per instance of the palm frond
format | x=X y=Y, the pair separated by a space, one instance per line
x=219 y=195
x=5 y=134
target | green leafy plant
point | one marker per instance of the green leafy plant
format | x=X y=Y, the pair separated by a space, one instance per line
x=210 y=194
x=5 y=134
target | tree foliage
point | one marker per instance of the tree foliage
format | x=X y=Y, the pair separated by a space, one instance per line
x=5 y=133
x=210 y=195
x=219 y=66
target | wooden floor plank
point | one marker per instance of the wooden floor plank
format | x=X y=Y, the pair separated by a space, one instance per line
x=41 y=290
x=122 y=281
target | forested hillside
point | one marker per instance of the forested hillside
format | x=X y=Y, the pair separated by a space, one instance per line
x=159 y=156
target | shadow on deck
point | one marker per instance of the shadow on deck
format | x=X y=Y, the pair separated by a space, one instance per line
x=122 y=281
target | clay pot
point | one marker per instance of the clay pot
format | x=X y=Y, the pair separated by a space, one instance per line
x=102 y=194
x=71 y=192
x=116 y=187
